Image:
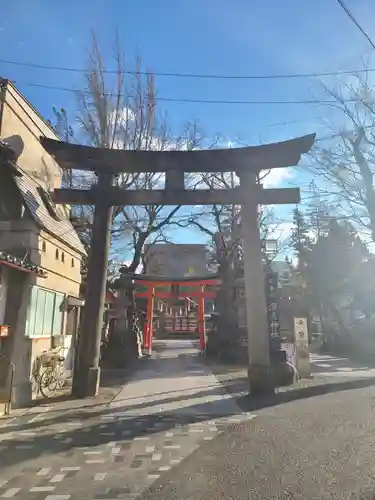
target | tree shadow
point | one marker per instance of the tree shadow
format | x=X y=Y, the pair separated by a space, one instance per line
x=92 y=411
x=247 y=403
x=96 y=431
x=99 y=427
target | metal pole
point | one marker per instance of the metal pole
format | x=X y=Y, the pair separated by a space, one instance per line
x=87 y=371
x=259 y=370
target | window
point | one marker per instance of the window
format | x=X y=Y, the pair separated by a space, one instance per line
x=58 y=314
x=72 y=262
x=48 y=203
x=44 y=248
x=62 y=257
x=57 y=254
x=45 y=313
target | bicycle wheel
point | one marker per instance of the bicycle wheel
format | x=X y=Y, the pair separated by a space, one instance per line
x=61 y=377
x=48 y=383
x=34 y=384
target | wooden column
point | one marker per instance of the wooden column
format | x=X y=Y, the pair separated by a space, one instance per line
x=147 y=337
x=259 y=370
x=87 y=372
x=201 y=322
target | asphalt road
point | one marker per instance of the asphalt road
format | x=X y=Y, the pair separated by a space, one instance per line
x=315 y=448
x=174 y=432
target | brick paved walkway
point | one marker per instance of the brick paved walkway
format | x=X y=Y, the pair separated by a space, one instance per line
x=172 y=406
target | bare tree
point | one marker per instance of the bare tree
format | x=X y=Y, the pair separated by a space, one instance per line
x=119 y=110
x=346 y=157
x=221 y=224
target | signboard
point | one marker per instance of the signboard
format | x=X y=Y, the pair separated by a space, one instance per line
x=241 y=316
x=301 y=337
x=290 y=350
x=272 y=304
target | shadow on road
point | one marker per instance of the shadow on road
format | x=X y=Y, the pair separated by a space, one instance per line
x=66 y=431
x=54 y=435
x=247 y=403
x=59 y=416
x=73 y=431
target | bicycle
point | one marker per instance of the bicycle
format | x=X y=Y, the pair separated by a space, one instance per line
x=53 y=376
x=51 y=379
x=35 y=376
x=60 y=370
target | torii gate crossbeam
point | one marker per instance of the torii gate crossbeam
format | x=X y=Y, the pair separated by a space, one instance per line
x=106 y=163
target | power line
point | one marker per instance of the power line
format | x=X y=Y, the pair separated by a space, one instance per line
x=202 y=76
x=354 y=20
x=195 y=101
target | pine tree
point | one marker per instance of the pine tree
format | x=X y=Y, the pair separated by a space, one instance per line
x=334 y=263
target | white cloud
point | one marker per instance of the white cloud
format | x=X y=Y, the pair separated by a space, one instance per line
x=122 y=117
x=277 y=176
x=281 y=230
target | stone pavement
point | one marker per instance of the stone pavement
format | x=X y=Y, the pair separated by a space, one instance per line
x=330 y=366
x=171 y=407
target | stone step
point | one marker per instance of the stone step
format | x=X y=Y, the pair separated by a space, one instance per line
x=3 y=408
x=4 y=395
x=4 y=400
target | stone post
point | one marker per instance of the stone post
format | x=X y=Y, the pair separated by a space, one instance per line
x=259 y=370
x=87 y=371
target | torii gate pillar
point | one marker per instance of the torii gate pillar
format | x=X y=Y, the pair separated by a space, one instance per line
x=259 y=369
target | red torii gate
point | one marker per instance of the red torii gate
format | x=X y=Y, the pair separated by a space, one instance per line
x=151 y=293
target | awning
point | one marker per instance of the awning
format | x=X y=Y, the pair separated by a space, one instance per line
x=9 y=260
x=74 y=301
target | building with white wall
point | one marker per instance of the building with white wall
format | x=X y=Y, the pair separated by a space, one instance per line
x=39 y=291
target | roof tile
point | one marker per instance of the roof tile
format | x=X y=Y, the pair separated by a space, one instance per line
x=59 y=227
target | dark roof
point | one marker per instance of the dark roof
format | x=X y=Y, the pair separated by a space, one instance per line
x=281 y=154
x=11 y=260
x=186 y=279
x=57 y=225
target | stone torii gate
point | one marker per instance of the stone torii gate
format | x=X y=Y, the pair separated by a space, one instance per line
x=246 y=162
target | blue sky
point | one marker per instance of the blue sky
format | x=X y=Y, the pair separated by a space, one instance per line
x=240 y=37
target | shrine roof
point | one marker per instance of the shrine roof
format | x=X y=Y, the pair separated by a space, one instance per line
x=254 y=158
x=169 y=279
